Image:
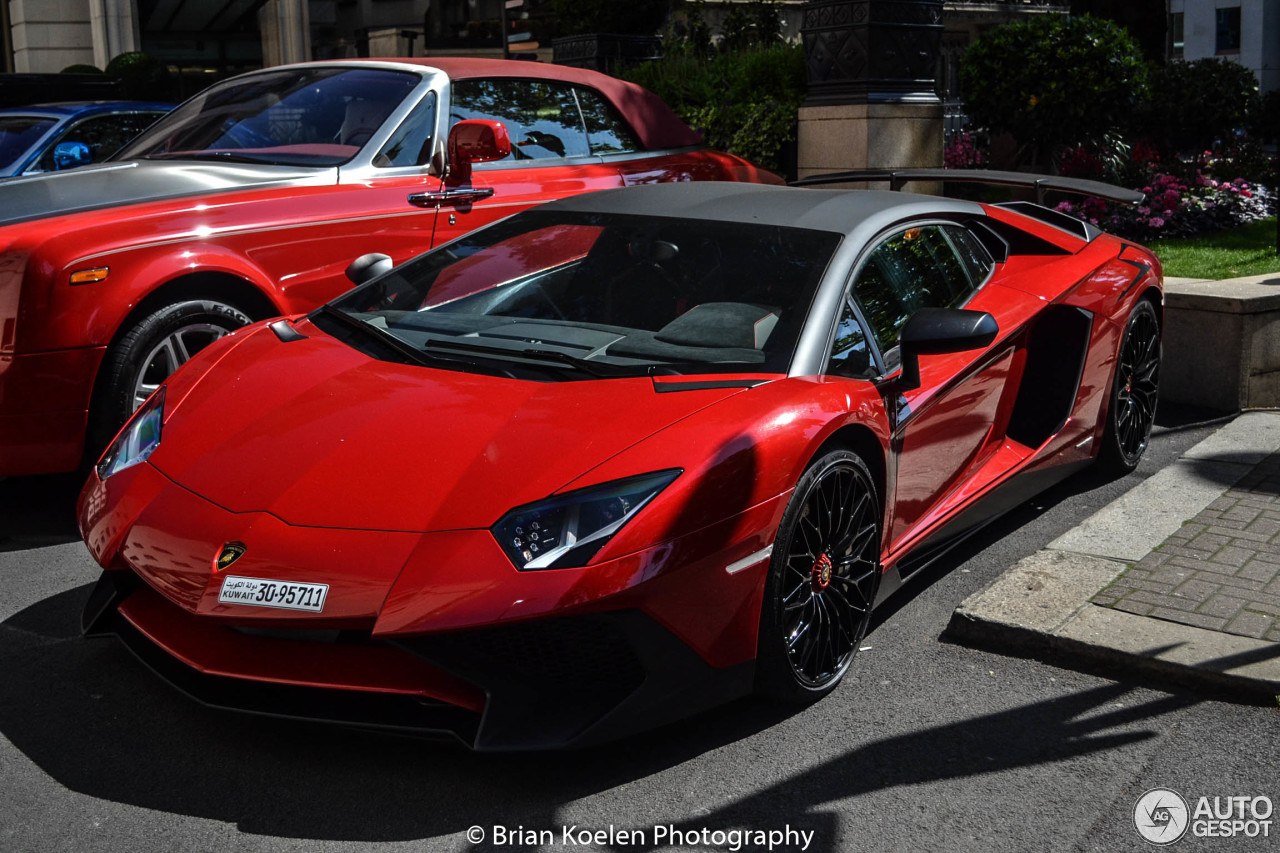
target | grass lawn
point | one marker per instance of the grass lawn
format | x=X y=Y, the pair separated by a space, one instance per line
x=1248 y=250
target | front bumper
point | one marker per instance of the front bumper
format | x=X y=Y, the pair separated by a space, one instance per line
x=567 y=681
x=433 y=632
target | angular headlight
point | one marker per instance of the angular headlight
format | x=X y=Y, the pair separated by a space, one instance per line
x=567 y=530
x=140 y=436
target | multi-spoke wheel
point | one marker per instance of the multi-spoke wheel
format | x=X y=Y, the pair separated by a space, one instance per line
x=1132 y=408
x=823 y=578
x=142 y=358
x=173 y=351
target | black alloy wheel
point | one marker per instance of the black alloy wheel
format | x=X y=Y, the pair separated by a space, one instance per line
x=1132 y=410
x=823 y=577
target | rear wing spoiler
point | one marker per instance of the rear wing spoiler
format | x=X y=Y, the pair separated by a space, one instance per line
x=1040 y=183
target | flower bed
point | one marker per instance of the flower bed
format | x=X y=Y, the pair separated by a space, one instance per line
x=1177 y=207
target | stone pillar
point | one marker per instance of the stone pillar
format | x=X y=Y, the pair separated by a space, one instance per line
x=286 y=32
x=115 y=29
x=870 y=67
x=49 y=35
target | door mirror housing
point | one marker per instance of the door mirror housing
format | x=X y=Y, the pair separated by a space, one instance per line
x=475 y=141
x=934 y=331
x=367 y=267
x=68 y=155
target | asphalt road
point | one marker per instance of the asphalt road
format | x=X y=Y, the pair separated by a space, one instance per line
x=928 y=746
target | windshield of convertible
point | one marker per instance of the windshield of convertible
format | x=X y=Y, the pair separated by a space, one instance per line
x=555 y=295
x=296 y=117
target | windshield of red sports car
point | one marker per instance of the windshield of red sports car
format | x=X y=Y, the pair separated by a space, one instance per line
x=297 y=117
x=585 y=295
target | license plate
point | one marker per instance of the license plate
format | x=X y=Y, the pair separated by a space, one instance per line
x=261 y=592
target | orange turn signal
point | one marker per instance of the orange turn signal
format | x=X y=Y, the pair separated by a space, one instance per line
x=90 y=276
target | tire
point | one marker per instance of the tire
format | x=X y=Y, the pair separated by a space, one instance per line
x=1131 y=409
x=822 y=582
x=144 y=356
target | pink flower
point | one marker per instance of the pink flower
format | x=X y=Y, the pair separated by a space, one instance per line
x=1156 y=222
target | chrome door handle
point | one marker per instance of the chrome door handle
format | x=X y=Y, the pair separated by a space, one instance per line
x=450 y=196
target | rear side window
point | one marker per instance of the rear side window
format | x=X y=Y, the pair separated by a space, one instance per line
x=973 y=254
x=542 y=118
x=607 y=133
x=546 y=120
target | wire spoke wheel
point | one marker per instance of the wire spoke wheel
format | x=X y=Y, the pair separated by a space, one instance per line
x=1137 y=385
x=824 y=577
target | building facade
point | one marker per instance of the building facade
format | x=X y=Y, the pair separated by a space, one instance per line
x=1243 y=31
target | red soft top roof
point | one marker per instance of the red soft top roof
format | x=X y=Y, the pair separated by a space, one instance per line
x=649 y=116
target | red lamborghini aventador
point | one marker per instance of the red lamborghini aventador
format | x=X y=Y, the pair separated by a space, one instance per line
x=614 y=459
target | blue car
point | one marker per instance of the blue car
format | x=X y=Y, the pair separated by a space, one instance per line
x=50 y=137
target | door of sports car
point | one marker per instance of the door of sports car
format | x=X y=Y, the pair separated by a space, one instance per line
x=950 y=425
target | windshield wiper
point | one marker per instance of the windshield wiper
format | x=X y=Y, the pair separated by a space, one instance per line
x=535 y=356
x=408 y=353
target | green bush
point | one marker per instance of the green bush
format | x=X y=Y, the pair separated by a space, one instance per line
x=1053 y=81
x=81 y=69
x=754 y=24
x=143 y=76
x=1194 y=105
x=744 y=102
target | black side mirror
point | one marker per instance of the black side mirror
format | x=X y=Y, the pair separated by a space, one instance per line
x=368 y=266
x=933 y=331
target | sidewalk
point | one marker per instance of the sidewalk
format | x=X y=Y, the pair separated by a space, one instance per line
x=1178 y=580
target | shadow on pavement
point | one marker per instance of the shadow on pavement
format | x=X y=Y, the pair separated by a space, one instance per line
x=38 y=511
x=97 y=722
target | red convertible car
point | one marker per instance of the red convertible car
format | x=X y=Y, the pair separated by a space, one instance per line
x=249 y=201
x=614 y=459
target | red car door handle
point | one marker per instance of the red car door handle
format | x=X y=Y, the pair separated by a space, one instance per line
x=450 y=196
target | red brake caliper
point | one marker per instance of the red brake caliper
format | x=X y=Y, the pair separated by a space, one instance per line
x=821 y=573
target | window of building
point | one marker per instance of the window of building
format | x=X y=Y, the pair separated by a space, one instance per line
x=1228 y=29
x=1176 y=40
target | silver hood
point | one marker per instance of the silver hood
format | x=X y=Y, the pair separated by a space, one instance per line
x=132 y=182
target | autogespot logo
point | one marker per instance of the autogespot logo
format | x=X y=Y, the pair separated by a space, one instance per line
x=1160 y=816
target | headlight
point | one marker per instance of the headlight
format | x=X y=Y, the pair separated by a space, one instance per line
x=567 y=530
x=140 y=436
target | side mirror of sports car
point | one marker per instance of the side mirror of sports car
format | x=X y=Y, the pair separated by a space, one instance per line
x=932 y=331
x=475 y=141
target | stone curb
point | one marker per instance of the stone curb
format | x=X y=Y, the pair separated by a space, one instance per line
x=1041 y=605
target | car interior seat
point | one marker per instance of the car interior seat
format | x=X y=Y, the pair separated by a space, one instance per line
x=362 y=120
